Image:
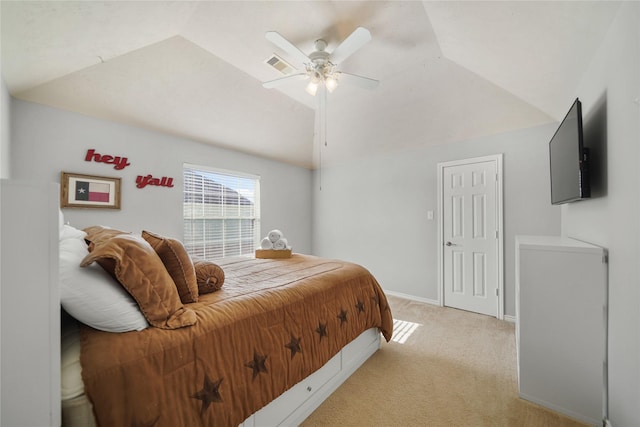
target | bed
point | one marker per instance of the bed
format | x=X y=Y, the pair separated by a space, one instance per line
x=263 y=349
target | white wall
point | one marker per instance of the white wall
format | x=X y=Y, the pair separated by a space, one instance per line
x=5 y=130
x=609 y=91
x=374 y=210
x=5 y=133
x=47 y=141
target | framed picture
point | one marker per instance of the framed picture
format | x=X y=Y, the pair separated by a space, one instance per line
x=88 y=191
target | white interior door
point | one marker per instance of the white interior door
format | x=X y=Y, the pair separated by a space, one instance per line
x=471 y=245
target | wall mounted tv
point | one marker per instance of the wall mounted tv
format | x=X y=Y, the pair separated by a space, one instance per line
x=569 y=160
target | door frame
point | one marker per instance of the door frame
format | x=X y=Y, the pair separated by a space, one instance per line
x=497 y=158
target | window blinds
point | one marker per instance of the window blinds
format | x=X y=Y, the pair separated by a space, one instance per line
x=221 y=213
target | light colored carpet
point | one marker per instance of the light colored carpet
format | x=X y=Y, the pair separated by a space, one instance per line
x=456 y=369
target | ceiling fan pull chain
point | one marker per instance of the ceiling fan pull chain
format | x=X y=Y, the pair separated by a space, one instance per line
x=325 y=116
x=323 y=112
x=319 y=138
x=320 y=166
x=325 y=129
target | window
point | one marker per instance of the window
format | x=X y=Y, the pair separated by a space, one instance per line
x=221 y=212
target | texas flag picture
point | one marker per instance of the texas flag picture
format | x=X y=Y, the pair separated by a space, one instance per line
x=87 y=191
x=92 y=191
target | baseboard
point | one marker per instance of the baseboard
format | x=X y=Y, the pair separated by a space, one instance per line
x=507 y=318
x=511 y=319
x=412 y=297
x=557 y=408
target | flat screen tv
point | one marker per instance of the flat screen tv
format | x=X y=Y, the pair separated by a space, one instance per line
x=569 y=159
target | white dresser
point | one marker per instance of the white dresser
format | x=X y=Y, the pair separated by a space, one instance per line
x=30 y=305
x=561 y=311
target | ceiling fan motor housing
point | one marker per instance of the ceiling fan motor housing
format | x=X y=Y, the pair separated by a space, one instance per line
x=320 y=56
x=320 y=66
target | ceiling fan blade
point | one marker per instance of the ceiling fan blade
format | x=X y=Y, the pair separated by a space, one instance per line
x=277 y=82
x=355 y=41
x=284 y=44
x=355 y=80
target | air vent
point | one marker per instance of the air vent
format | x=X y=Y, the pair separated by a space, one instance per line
x=280 y=64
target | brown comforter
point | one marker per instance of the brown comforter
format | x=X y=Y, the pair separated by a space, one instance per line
x=273 y=323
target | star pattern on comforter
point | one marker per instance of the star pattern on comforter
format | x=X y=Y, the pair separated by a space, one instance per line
x=273 y=324
x=209 y=393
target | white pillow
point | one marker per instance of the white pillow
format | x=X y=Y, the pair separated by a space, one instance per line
x=60 y=222
x=90 y=294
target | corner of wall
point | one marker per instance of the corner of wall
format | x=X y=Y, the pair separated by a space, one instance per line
x=5 y=130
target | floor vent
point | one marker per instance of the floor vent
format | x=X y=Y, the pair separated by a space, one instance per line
x=280 y=64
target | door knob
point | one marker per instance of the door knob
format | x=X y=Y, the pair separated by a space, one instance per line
x=449 y=244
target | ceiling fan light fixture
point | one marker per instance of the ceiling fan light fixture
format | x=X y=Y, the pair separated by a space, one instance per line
x=312 y=88
x=331 y=83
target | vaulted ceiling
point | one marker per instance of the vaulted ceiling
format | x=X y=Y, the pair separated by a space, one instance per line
x=448 y=71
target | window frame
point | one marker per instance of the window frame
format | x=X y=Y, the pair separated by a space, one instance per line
x=214 y=242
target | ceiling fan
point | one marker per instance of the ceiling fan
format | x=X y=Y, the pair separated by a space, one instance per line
x=322 y=73
x=320 y=65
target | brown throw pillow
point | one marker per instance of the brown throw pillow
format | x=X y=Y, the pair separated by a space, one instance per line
x=99 y=233
x=135 y=264
x=177 y=262
x=210 y=276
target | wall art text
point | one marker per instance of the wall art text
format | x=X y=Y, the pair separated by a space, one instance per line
x=118 y=162
x=143 y=181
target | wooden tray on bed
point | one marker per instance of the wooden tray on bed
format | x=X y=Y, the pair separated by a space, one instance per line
x=273 y=253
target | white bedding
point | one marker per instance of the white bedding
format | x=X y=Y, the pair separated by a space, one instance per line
x=76 y=408
x=70 y=370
